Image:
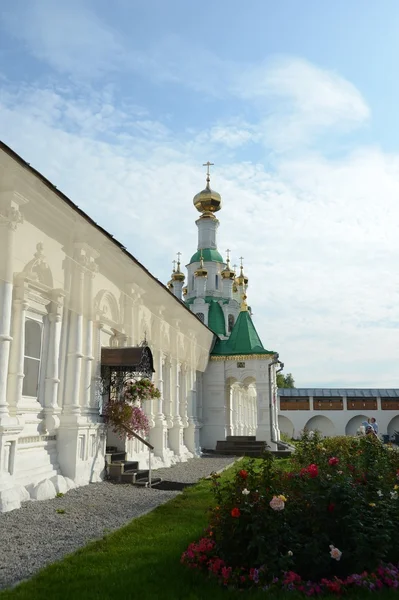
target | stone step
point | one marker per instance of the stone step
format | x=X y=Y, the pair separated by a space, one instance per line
x=118 y=457
x=240 y=438
x=111 y=449
x=242 y=444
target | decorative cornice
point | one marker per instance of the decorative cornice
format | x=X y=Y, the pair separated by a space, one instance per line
x=244 y=357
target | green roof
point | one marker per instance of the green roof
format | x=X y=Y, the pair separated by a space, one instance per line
x=243 y=339
x=208 y=254
x=216 y=320
x=208 y=300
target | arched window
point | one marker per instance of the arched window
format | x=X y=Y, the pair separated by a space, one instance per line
x=33 y=352
x=201 y=317
x=231 y=322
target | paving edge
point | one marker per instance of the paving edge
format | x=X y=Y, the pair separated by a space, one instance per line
x=237 y=459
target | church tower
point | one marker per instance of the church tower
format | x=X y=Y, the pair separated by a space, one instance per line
x=212 y=292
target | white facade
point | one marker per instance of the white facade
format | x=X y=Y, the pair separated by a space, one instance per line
x=66 y=290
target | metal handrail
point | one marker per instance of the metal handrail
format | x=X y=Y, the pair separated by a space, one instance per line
x=149 y=446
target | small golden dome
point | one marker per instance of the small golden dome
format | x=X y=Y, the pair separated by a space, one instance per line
x=177 y=275
x=244 y=305
x=208 y=201
x=185 y=291
x=201 y=271
x=242 y=279
x=228 y=273
x=170 y=285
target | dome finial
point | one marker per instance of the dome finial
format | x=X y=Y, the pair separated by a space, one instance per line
x=244 y=305
x=201 y=271
x=208 y=175
x=208 y=201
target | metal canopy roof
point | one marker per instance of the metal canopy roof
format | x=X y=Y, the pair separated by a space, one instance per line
x=341 y=392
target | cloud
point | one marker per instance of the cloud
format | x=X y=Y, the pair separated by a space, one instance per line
x=318 y=235
x=67 y=35
x=299 y=100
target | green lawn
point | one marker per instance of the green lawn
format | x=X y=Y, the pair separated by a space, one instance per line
x=141 y=560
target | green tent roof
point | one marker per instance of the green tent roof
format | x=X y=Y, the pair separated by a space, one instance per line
x=216 y=320
x=208 y=254
x=243 y=339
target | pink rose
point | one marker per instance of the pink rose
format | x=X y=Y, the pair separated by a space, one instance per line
x=277 y=503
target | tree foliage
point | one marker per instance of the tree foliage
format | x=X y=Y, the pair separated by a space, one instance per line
x=285 y=381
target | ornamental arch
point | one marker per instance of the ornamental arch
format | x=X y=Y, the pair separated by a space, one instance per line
x=354 y=423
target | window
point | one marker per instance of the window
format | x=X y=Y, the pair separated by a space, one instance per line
x=192 y=283
x=33 y=351
x=201 y=317
x=216 y=282
x=231 y=322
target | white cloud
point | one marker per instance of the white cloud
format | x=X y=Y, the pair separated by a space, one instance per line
x=67 y=35
x=318 y=236
x=299 y=100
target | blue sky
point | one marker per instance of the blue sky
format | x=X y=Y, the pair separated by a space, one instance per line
x=120 y=103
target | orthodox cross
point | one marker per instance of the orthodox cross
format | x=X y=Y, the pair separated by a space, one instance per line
x=228 y=254
x=235 y=267
x=174 y=265
x=207 y=165
x=241 y=259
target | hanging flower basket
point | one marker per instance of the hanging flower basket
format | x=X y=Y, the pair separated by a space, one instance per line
x=124 y=413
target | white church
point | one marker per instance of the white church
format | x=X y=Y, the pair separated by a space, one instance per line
x=74 y=303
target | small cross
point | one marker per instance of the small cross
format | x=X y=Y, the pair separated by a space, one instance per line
x=228 y=254
x=241 y=259
x=235 y=267
x=208 y=164
x=178 y=256
x=174 y=264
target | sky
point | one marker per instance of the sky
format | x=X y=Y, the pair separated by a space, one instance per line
x=120 y=103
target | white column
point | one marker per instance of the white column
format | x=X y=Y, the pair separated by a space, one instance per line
x=193 y=429
x=10 y=217
x=91 y=269
x=159 y=433
x=176 y=433
x=16 y=368
x=74 y=348
x=51 y=382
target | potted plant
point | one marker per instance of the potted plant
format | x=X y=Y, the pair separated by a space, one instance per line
x=124 y=412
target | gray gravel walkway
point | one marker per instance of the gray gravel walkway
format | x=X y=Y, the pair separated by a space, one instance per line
x=36 y=535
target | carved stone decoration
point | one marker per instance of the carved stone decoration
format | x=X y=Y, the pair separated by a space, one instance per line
x=106 y=307
x=12 y=217
x=37 y=269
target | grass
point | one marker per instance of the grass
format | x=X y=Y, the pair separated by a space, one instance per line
x=142 y=560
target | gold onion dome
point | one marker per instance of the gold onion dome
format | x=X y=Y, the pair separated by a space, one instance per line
x=242 y=279
x=228 y=273
x=208 y=201
x=177 y=275
x=201 y=271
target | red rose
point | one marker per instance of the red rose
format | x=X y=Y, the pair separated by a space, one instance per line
x=313 y=470
x=243 y=473
x=235 y=512
x=331 y=507
x=333 y=461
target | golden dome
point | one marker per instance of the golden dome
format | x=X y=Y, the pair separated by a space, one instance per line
x=228 y=273
x=201 y=271
x=170 y=285
x=208 y=201
x=242 y=279
x=185 y=291
x=177 y=275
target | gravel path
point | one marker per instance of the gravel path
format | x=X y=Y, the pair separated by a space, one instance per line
x=36 y=535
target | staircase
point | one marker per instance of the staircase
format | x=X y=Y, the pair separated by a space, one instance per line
x=248 y=445
x=121 y=470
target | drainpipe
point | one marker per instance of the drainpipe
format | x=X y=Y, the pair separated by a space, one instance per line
x=276 y=361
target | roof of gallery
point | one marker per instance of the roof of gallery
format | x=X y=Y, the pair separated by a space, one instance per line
x=338 y=392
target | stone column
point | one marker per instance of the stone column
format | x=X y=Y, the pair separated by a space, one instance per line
x=176 y=433
x=17 y=353
x=90 y=269
x=158 y=435
x=51 y=382
x=263 y=430
x=10 y=217
x=192 y=437
x=75 y=341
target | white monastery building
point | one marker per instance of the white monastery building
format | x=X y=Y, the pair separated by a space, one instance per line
x=69 y=294
x=76 y=308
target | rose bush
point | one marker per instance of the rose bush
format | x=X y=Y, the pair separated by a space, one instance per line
x=335 y=513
